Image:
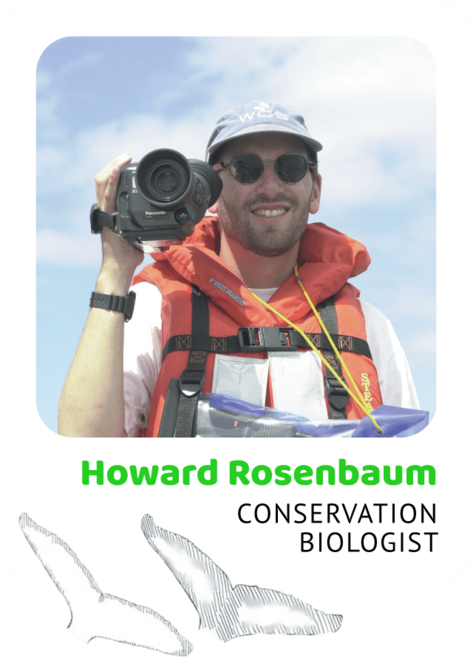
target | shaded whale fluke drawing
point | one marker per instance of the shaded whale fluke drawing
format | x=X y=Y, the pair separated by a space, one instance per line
x=233 y=611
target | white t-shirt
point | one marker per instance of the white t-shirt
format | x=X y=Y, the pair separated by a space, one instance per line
x=296 y=380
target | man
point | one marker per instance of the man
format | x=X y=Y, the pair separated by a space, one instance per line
x=268 y=166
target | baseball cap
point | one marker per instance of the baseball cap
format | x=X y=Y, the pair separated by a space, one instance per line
x=259 y=117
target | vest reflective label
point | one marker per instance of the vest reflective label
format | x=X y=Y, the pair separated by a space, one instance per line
x=242 y=378
x=296 y=379
x=298 y=384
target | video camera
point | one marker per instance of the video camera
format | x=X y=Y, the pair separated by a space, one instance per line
x=160 y=200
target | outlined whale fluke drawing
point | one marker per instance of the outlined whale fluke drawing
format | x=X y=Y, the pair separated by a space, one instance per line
x=233 y=611
x=93 y=613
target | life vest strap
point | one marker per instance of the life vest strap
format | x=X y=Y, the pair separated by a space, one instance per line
x=183 y=394
x=259 y=339
x=337 y=396
x=192 y=378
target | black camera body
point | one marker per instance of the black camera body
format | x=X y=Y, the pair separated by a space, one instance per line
x=160 y=200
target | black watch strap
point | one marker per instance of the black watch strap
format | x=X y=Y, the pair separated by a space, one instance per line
x=124 y=304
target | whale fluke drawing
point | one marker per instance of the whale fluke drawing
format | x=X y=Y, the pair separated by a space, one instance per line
x=233 y=611
x=93 y=613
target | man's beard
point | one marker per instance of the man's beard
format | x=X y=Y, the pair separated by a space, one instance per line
x=267 y=240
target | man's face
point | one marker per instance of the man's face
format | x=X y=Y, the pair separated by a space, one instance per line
x=269 y=216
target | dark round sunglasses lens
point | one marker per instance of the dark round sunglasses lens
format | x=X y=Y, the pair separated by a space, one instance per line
x=291 y=168
x=246 y=169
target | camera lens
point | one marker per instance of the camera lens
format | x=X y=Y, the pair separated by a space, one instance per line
x=167 y=181
x=163 y=177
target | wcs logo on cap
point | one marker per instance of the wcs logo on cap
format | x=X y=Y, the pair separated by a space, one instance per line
x=264 y=110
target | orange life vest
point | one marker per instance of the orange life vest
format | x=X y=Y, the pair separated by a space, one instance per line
x=327 y=258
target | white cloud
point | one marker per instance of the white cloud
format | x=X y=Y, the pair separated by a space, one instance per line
x=77 y=249
x=75 y=164
x=356 y=95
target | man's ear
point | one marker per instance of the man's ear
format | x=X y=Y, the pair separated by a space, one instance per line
x=315 y=197
x=214 y=208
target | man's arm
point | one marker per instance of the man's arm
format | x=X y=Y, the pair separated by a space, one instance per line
x=394 y=375
x=91 y=403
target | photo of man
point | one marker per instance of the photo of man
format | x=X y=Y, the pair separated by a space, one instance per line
x=256 y=233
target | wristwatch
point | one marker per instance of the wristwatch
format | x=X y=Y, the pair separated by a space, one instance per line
x=125 y=304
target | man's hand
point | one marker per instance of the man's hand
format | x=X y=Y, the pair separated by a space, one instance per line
x=120 y=259
x=106 y=182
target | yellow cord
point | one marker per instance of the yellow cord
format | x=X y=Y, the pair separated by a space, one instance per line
x=317 y=352
x=360 y=402
x=332 y=343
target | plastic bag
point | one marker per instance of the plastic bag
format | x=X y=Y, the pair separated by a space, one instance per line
x=221 y=416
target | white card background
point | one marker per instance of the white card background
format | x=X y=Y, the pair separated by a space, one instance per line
x=417 y=605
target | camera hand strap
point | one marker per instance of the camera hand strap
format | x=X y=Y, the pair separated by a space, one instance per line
x=99 y=219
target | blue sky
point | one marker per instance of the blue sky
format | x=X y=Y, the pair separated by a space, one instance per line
x=369 y=101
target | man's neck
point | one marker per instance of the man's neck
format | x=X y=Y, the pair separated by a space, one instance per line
x=254 y=270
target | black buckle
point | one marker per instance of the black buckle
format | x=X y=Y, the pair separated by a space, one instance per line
x=191 y=381
x=256 y=340
x=336 y=393
x=129 y=305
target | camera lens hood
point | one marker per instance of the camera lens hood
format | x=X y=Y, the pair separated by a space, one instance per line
x=163 y=177
x=210 y=175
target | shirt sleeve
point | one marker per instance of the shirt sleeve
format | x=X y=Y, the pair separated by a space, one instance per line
x=394 y=375
x=142 y=356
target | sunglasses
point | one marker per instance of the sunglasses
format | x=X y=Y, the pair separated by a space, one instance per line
x=248 y=168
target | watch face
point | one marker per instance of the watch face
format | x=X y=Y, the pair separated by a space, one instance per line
x=130 y=305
